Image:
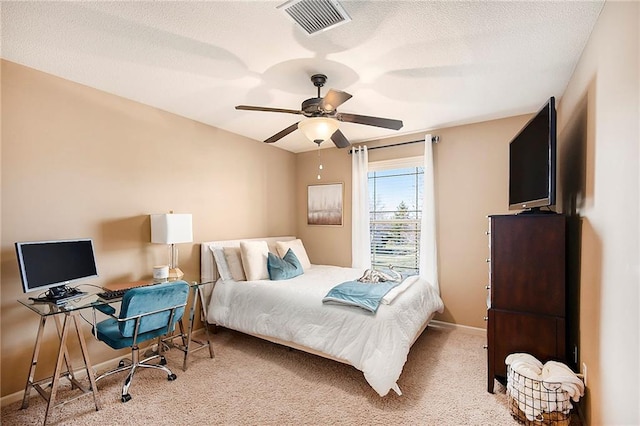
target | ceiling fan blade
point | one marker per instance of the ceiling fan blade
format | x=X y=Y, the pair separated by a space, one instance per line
x=282 y=133
x=333 y=99
x=267 y=109
x=339 y=139
x=386 y=123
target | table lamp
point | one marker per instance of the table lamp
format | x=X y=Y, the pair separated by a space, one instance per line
x=172 y=229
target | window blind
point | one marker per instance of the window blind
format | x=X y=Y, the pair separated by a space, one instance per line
x=395 y=208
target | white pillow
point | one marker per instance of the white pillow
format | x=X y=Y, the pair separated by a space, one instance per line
x=298 y=249
x=234 y=261
x=254 y=259
x=221 y=263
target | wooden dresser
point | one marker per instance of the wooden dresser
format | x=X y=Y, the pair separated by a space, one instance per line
x=527 y=289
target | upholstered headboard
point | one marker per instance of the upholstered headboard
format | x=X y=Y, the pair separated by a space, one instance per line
x=208 y=270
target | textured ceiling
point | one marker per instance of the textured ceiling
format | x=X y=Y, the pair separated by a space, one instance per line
x=431 y=64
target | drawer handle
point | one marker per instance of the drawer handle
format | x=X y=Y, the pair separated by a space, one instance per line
x=485 y=318
x=488 y=260
x=485 y=346
x=487 y=287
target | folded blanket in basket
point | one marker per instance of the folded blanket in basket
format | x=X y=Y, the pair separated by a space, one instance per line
x=557 y=372
x=525 y=364
x=363 y=295
x=539 y=388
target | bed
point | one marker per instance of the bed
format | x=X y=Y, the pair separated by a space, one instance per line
x=291 y=312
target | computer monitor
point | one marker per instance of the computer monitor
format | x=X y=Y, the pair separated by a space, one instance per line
x=53 y=265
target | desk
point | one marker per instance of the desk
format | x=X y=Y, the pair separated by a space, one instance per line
x=69 y=315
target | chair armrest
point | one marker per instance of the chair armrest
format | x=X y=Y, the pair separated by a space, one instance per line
x=106 y=309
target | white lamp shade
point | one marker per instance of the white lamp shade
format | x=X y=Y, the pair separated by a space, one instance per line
x=318 y=128
x=171 y=228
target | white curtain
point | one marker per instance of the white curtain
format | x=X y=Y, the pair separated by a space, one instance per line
x=428 y=246
x=360 y=239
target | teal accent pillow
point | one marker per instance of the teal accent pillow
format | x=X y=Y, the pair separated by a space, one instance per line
x=283 y=268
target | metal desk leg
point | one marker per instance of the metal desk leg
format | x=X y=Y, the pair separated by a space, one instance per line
x=57 y=370
x=203 y=307
x=186 y=340
x=192 y=310
x=67 y=358
x=34 y=362
x=70 y=319
x=87 y=363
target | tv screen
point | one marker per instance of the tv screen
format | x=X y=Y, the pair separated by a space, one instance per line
x=50 y=264
x=532 y=162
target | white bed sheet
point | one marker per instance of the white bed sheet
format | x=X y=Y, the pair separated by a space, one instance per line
x=292 y=311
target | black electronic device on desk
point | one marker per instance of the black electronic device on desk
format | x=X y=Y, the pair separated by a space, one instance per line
x=53 y=265
x=60 y=296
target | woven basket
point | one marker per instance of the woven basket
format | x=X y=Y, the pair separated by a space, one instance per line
x=534 y=396
x=554 y=418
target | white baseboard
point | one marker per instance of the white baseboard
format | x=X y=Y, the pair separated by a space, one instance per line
x=464 y=328
x=10 y=399
x=82 y=372
x=79 y=374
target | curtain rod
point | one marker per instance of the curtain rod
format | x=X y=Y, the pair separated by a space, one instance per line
x=434 y=139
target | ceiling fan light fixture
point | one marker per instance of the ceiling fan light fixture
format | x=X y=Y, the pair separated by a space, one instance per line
x=318 y=128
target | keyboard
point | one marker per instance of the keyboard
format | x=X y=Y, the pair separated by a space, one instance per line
x=111 y=295
x=116 y=295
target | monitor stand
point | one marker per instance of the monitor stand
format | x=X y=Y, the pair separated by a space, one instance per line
x=59 y=295
x=536 y=210
x=60 y=292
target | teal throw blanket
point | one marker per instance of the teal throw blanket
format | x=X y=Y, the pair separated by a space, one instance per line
x=363 y=295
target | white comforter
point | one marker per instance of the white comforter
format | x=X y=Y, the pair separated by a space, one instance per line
x=292 y=311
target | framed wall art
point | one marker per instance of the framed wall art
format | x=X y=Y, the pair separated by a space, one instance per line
x=324 y=204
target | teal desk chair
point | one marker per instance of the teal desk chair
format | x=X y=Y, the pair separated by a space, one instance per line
x=146 y=313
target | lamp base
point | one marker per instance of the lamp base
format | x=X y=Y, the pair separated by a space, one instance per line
x=175 y=274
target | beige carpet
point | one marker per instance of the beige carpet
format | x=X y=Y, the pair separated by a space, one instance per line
x=251 y=381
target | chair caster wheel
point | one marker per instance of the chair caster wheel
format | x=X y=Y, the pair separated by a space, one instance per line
x=125 y=398
x=163 y=361
x=171 y=377
x=121 y=363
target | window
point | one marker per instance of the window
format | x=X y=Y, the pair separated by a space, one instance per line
x=395 y=209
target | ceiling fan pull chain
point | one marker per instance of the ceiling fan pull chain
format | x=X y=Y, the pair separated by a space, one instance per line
x=319 y=161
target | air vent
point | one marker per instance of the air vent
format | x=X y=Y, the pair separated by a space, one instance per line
x=316 y=15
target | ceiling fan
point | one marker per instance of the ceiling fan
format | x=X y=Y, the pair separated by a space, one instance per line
x=322 y=116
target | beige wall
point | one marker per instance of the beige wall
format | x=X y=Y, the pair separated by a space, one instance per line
x=471 y=167
x=599 y=119
x=327 y=245
x=77 y=162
